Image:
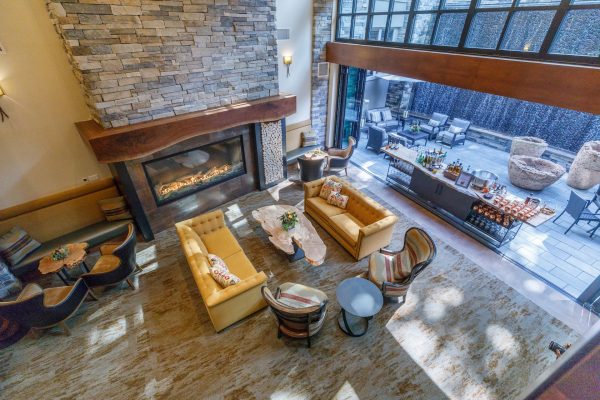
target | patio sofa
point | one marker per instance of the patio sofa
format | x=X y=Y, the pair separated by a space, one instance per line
x=382 y=118
x=362 y=228
x=455 y=134
x=206 y=234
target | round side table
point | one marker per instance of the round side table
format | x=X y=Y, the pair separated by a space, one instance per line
x=359 y=298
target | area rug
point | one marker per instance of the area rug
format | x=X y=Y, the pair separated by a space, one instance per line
x=462 y=333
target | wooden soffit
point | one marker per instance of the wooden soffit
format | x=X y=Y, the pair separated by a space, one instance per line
x=561 y=85
x=140 y=140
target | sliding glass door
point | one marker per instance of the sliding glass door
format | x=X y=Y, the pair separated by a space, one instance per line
x=351 y=90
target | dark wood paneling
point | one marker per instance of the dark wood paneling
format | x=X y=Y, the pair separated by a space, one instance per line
x=561 y=85
x=139 y=140
x=163 y=217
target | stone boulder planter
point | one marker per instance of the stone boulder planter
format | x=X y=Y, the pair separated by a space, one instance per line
x=533 y=173
x=528 y=146
x=585 y=170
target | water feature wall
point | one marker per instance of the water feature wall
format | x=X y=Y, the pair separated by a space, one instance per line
x=562 y=128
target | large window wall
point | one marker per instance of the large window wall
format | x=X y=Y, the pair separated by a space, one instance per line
x=564 y=31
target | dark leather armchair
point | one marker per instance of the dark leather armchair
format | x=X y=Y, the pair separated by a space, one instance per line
x=44 y=308
x=394 y=271
x=311 y=169
x=116 y=263
x=339 y=158
x=377 y=138
x=300 y=310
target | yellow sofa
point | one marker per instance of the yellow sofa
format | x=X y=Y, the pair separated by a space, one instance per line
x=362 y=228
x=206 y=234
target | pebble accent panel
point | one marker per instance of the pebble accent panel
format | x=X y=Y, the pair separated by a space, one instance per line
x=271 y=136
x=140 y=60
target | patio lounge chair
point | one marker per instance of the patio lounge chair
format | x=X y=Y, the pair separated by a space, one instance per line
x=577 y=207
x=377 y=138
x=433 y=126
x=455 y=134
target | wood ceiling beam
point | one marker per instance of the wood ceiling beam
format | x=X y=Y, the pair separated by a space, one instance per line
x=562 y=85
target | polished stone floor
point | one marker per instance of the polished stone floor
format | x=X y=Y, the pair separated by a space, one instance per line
x=463 y=333
x=570 y=262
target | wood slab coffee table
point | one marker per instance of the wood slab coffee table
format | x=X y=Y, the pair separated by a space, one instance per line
x=300 y=242
x=76 y=257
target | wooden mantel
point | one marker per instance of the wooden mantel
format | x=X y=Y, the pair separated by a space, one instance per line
x=140 y=140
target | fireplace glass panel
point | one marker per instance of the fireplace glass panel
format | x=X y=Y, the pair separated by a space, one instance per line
x=184 y=173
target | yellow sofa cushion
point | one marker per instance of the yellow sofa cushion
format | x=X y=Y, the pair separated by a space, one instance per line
x=221 y=242
x=347 y=226
x=239 y=265
x=325 y=209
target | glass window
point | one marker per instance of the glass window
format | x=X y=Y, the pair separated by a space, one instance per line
x=494 y=3
x=486 y=29
x=344 y=27
x=579 y=34
x=381 y=5
x=427 y=4
x=378 y=23
x=362 y=6
x=346 y=6
x=526 y=30
x=449 y=29
x=360 y=27
x=402 y=5
x=456 y=4
x=397 y=28
x=585 y=2
x=533 y=3
x=422 y=28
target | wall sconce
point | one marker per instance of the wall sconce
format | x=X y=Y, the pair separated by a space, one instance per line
x=2 y=113
x=287 y=61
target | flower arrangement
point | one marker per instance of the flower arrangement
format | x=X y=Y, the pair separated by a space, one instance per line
x=59 y=254
x=415 y=127
x=289 y=219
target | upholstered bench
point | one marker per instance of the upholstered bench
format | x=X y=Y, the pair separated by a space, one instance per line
x=93 y=235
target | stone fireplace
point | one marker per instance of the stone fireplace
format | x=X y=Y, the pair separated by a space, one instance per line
x=176 y=168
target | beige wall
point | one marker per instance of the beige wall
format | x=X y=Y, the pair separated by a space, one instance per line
x=296 y=15
x=40 y=149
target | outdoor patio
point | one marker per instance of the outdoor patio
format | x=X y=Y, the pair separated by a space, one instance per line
x=570 y=262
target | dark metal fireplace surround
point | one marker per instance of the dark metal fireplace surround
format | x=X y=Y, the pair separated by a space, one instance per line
x=176 y=168
x=189 y=165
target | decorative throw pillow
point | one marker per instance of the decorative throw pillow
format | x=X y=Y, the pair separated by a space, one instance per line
x=329 y=186
x=9 y=285
x=375 y=116
x=220 y=273
x=433 y=123
x=115 y=208
x=337 y=199
x=386 y=115
x=16 y=244
x=455 y=129
x=309 y=138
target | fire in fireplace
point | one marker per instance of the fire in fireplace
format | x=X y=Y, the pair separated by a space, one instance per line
x=178 y=175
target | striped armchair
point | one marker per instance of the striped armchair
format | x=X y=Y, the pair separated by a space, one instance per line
x=300 y=310
x=393 y=272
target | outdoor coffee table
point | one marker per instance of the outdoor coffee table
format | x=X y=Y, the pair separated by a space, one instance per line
x=76 y=257
x=300 y=242
x=414 y=136
x=358 y=297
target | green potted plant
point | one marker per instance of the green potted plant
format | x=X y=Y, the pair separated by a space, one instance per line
x=289 y=219
x=59 y=254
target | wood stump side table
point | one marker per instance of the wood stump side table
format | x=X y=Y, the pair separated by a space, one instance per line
x=76 y=257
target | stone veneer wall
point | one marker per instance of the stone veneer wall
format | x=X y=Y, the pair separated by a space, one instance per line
x=322 y=24
x=140 y=60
